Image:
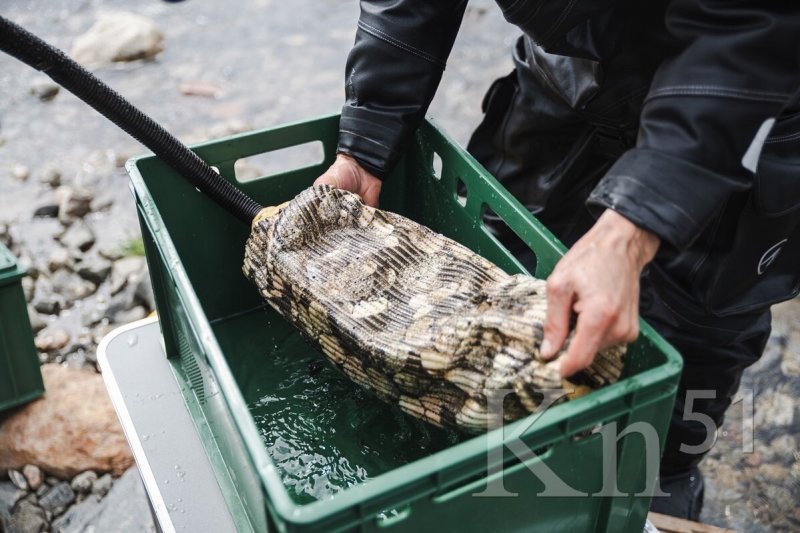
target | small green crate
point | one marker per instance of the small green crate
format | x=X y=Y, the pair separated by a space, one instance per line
x=20 y=377
x=214 y=321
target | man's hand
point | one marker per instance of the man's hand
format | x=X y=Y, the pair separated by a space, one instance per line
x=598 y=279
x=345 y=173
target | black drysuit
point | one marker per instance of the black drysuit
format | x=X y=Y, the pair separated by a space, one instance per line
x=680 y=115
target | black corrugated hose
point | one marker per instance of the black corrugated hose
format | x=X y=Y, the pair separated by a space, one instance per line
x=28 y=48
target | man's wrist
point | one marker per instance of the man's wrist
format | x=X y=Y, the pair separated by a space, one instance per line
x=640 y=243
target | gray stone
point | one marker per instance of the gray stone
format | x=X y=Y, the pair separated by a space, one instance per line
x=27 y=518
x=20 y=172
x=78 y=237
x=94 y=269
x=144 y=292
x=34 y=476
x=44 y=88
x=131 y=315
x=46 y=211
x=28 y=287
x=51 y=340
x=82 y=483
x=71 y=286
x=109 y=251
x=102 y=485
x=47 y=304
x=126 y=270
x=10 y=494
x=119 y=36
x=50 y=175
x=5 y=235
x=59 y=258
x=18 y=479
x=59 y=496
x=37 y=322
x=125 y=508
x=73 y=203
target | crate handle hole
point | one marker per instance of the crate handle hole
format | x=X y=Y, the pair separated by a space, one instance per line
x=496 y=226
x=438 y=165
x=461 y=192
x=282 y=160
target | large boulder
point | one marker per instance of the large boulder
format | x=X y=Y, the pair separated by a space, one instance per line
x=118 y=36
x=71 y=429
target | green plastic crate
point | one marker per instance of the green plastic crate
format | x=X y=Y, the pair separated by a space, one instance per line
x=213 y=319
x=20 y=377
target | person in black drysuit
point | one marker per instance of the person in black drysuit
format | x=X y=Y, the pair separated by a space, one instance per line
x=649 y=133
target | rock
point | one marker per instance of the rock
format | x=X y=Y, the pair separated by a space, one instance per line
x=78 y=237
x=57 y=497
x=59 y=258
x=51 y=340
x=50 y=175
x=20 y=172
x=18 y=479
x=109 y=251
x=102 y=485
x=200 y=88
x=71 y=286
x=143 y=293
x=47 y=304
x=27 y=518
x=124 y=509
x=52 y=480
x=33 y=474
x=46 y=211
x=37 y=322
x=82 y=483
x=73 y=202
x=131 y=315
x=44 y=88
x=127 y=269
x=73 y=428
x=774 y=408
x=118 y=36
x=229 y=127
x=5 y=235
x=790 y=363
x=28 y=287
x=10 y=494
x=94 y=269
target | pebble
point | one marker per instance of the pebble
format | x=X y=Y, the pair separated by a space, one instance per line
x=20 y=172
x=94 y=269
x=51 y=340
x=131 y=315
x=73 y=202
x=124 y=270
x=46 y=211
x=18 y=479
x=118 y=36
x=70 y=286
x=44 y=89
x=83 y=482
x=49 y=305
x=774 y=408
x=29 y=288
x=33 y=474
x=50 y=175
x=10 y=494
x=109 y=251
x=57 y=498
x=27 y=517
x=78 y=236
x=37 y=322
x=59 y=258
x=102 y=485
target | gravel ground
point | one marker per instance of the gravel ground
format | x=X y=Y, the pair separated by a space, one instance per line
x=65 y=208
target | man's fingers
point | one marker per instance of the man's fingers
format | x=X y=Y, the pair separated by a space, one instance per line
x=556 y=327
x=593 y=322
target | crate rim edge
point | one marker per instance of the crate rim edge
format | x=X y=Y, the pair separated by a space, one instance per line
x=278 y=496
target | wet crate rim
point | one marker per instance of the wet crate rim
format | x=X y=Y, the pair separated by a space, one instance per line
x=415 y=478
